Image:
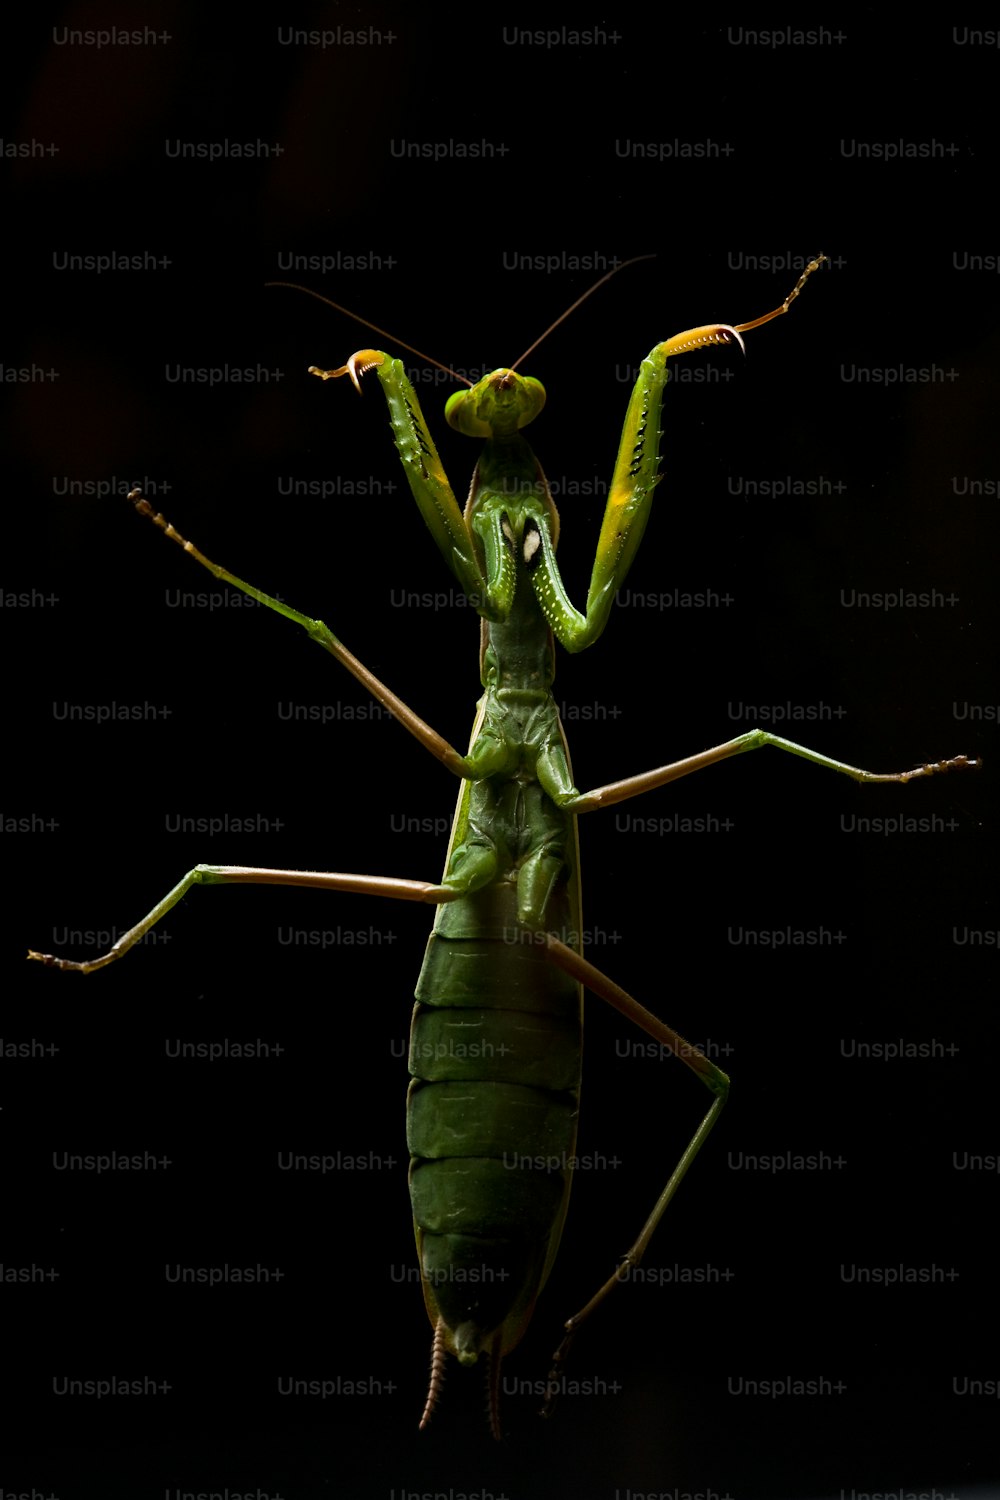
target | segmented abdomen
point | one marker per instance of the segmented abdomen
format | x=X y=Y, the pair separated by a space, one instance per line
x=491 y=1117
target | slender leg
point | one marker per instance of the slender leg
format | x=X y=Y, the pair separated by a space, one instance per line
x=712 y=1077
x=755 y=739
x=371 y=885
x=488 y=758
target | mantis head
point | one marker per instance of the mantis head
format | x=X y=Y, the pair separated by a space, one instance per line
x=496 y=406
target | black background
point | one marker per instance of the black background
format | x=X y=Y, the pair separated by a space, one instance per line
x=884 y=479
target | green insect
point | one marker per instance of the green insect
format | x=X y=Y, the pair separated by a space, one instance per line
x=496 y=1032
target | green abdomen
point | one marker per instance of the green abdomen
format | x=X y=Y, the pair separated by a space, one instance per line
x=492 y=1111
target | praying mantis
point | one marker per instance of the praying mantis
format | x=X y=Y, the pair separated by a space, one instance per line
x=496 y=1032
